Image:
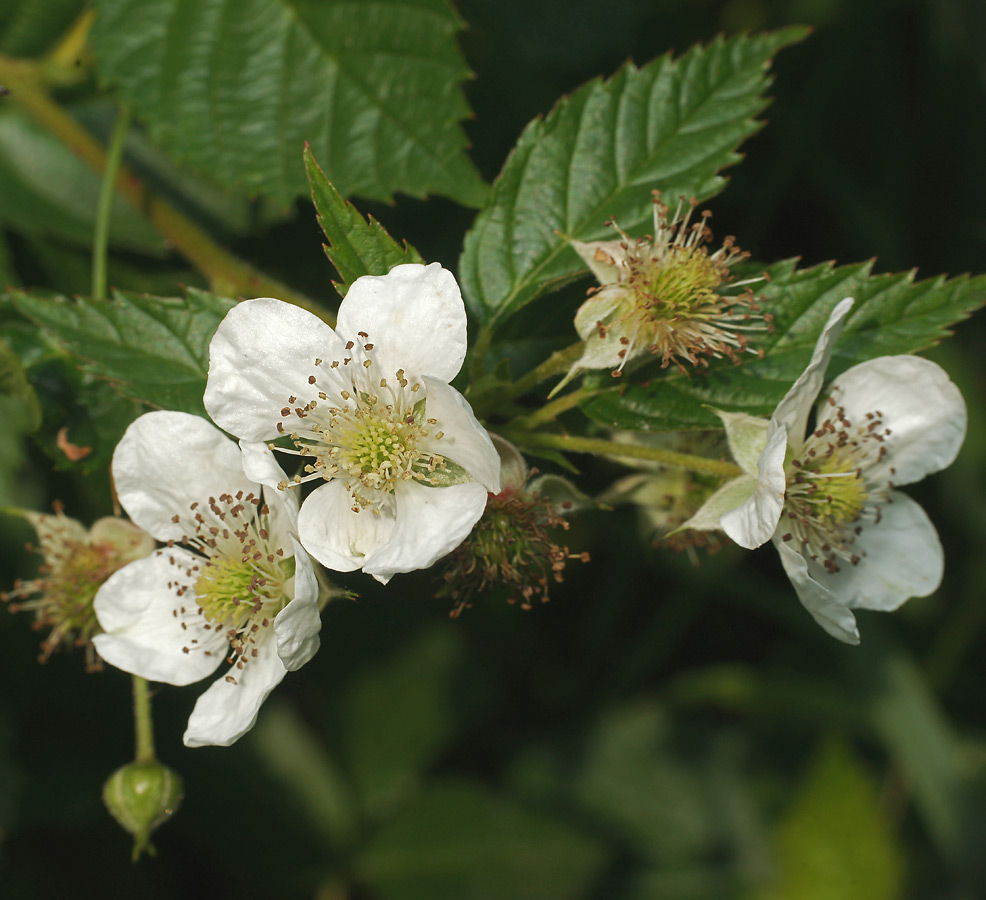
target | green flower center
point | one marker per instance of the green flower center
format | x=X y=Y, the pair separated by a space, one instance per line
x=830 y=494
x=62 y=595
x=242 y=577
x=233 y=591
x=371 y=432
x=673 y=307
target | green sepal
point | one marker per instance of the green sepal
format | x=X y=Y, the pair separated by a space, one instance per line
x=356 y=246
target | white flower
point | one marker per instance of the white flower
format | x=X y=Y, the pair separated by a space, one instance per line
x=826 y=497
x=407 y=466
x=661 y=296
x=232 y=582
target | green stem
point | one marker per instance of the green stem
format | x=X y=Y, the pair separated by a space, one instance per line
x=613 y=449
x=101 y=239
x=225 y=273
x=560 y=361
x=550 y=411
x=480 y=348
x=143 y=724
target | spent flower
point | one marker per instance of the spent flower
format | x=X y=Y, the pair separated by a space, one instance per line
x=826 y=495
x=404 y=467
x=662 y=295
x=513 y=545
x=75 y=563
x=231 y=583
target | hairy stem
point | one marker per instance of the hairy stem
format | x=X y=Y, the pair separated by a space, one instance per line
x=143 y=724
x=555 y=408
x=613 y=449
x=560 y=361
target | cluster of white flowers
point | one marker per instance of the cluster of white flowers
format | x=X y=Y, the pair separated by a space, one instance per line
x=406 y=466
x=404 y=470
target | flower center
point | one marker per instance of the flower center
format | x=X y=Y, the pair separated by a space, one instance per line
x=62 y=595
x=371 y=432
x=674 y=307
x=830 y=496
x=241 y=577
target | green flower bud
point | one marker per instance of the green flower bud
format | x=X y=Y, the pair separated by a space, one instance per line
x=141 y=796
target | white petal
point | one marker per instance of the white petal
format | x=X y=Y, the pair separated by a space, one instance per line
x=731 y=496
x=747 y=436
x=260 y=465
x=793 y=410
x=835 y=618
x=901 y=557
x=430 y=523
x=755 y=522
x=54 y=531
x=413 y=316
x=298 y=624
x=136 y=610
x=922 y=408
x=513 y=466
x=604 y=258
x=168 y=460
x=464 y=440
x=128 y=541
x=227 y=711
x=263 y=353
x=336 y=536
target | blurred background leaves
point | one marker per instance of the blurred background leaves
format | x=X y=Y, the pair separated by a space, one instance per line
x=656 y=731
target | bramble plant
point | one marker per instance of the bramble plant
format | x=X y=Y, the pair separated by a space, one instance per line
x=597 y=349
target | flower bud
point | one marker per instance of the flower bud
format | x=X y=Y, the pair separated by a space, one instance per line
x=141 y=796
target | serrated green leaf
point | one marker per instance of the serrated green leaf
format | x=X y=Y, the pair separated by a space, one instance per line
x=460 y=840
x=893 y=314
x=235 y=88
x=152 y=349
x=397 y=717
x=46 y=190
x=671 y=126
x=836 y=842
x=356 y=246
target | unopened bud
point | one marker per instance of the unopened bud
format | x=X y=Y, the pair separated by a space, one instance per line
x=141 y=796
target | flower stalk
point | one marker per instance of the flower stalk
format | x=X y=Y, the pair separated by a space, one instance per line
x=616 y=450
x=101 y=237
x=143 y=722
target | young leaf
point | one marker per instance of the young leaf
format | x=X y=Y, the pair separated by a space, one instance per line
x=672 y=126
x=893 y=314
x=153 y=349
x=356 y=246
x=234 y=89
